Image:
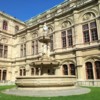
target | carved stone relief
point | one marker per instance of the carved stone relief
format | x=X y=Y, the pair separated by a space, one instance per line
x=88 y=16
x=23 y=39
x=50 y=30
x=34 y=35
x=3 y=39
x=66 y=24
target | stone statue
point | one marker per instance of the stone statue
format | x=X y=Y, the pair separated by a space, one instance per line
x=45 y=28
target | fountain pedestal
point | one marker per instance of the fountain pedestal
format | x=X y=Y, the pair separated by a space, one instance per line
x=47 y=67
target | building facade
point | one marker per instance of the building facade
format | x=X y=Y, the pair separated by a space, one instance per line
x=73 y=27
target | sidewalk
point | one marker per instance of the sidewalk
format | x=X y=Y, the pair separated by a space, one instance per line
x=48 y=93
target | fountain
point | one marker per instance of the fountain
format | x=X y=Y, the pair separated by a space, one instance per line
x=46 y=67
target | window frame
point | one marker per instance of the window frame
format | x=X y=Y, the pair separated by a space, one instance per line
x=66 y=41
x=90 y=35
x=89 y=71
x=5 y=25
x=3 y=51
x=23 y=50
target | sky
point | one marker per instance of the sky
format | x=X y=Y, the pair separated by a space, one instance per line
x=26 y=9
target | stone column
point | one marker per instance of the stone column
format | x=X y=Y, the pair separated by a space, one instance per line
x=39 y=71
x=34 y=71
x=14 y=72
x=40 y=45
x=27 y=70
x=79 y=64
x=98 y=20
x=77 y=29
x=69 y=69
x=29 y=43
x=57 y=35
x=94 y=72
x=1 y=74
x=9 y=73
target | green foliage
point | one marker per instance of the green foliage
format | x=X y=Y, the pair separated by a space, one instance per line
x=93 y=95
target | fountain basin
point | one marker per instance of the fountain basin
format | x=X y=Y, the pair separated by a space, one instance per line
x=46 y=81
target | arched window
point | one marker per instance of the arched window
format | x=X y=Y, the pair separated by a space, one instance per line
x=5 y=25
x=72 y=69
x=22 y=72
x=65 y=69
x=90 y=28
x=64 y=42
x=89 y=70
x=67 y=35
x=16 y=28
x=4 y=75
x=32 y=71
x=37 y=71
x=97 y=65
x=90 y=32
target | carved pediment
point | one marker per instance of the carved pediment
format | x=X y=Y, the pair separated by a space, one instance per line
x=50 y=30
x=88 y=16
x=66 y=24
x=3 y=39
x=34 y=35
x=23 y=39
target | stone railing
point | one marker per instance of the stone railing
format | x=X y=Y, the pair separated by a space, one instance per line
x=89 y=83
x=6 y=83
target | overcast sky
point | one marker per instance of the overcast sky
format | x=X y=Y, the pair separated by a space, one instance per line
x=25 y=9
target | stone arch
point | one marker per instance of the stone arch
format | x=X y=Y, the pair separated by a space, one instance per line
x=92 y=13
x=88 y=16
x=22 y=71
x=66 y=24
x=91 y=59
x=67 y=62
x=35 y=34
x=68 y=67
x=3 y=40
x=23 y=39
x=50 y=29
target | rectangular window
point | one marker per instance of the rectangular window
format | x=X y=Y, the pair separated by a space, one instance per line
x=4 y=75
x=23 y=50
x=51 y=43
x=36 y=46
x=90 y=32
x=93 y=28
x=5 y=25
x=69 y=36
x=64 y=39
x=86 y=33
x=3 y=51
x=33 y=49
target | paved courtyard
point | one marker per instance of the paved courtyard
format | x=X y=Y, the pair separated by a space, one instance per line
x=47 y=92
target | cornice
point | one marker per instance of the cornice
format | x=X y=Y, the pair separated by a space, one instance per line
x=54 y=12
x=12 y=18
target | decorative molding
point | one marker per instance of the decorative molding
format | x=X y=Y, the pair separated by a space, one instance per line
x=88 y=16
x=3 y=39
x=66 y=24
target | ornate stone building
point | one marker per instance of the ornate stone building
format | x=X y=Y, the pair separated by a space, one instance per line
x=73 y=27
